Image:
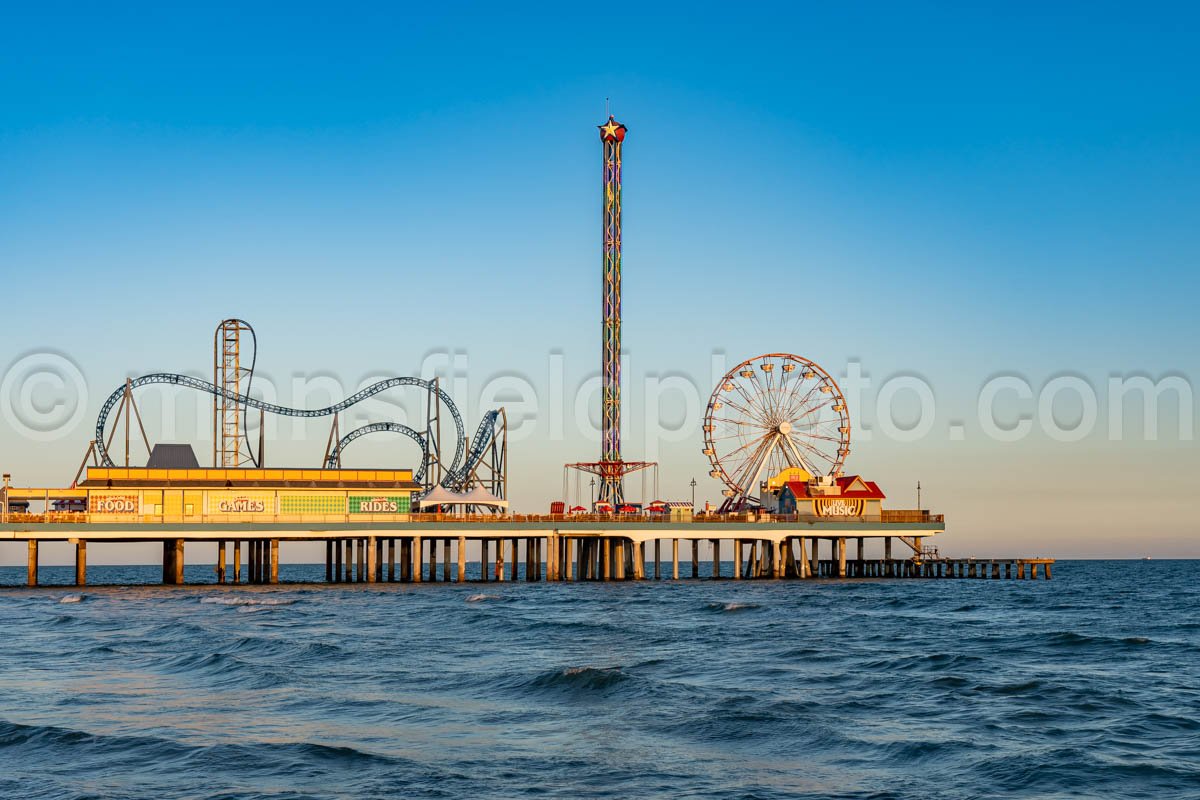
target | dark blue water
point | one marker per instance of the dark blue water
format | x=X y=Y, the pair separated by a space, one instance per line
x=1084 y=686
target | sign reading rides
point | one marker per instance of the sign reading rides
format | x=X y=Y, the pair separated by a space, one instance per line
x=390 y=504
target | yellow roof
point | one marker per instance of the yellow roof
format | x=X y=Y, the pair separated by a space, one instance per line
x=103 y=475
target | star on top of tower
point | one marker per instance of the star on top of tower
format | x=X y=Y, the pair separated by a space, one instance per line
x=612 y=131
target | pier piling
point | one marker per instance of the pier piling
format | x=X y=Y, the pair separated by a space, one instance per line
x=573 y=552
x=80 y=562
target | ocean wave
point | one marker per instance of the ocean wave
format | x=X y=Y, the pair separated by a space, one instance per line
x=591 y=626
x=732 y=607
x=924 y=661
x=219 y=669
x=1071 y=639
x=149 y=754
x=51 y=737
x=582 y=678
x=1021 y=687
x=248 y=601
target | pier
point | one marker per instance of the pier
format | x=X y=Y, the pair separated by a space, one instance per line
x=434 y=548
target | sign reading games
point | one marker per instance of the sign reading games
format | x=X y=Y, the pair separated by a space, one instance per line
x=390 y=504
x=238 y=504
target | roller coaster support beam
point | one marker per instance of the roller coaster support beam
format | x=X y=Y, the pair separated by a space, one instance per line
x=91 y=451
x=334 y=436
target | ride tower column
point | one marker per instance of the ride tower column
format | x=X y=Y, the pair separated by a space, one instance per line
x=231 y=377
x=612 y=135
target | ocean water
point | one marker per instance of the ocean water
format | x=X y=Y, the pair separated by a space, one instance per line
x=1084 y=686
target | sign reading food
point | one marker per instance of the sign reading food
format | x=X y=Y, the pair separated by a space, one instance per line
x=379 y=505
x=113 y=504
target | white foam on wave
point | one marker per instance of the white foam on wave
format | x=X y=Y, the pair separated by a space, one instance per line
x=733 y=606
x=71 y=598
x=248 y=601
x=585 y=670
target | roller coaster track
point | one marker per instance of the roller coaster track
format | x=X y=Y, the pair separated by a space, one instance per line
x=335 y=455
x=173 y=379
x=457 y=479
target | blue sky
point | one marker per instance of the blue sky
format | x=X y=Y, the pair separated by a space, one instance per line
x=946 y=192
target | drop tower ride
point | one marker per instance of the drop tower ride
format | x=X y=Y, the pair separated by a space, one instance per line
x=612 y=135
x=611 y=469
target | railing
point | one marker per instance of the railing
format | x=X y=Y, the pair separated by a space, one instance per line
x=53 y=516
x=456 y=519
x=902 y=515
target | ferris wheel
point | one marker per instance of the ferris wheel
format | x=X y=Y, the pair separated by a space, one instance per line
x=771 y=413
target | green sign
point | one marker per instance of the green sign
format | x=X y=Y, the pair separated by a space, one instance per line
x=379 y=504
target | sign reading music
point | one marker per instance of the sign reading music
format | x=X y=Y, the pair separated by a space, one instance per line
x=838 y=507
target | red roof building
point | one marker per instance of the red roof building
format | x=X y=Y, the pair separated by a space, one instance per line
x=851 y=486
x=845 y=496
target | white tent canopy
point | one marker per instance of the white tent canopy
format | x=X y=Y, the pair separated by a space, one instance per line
x=478 y=496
